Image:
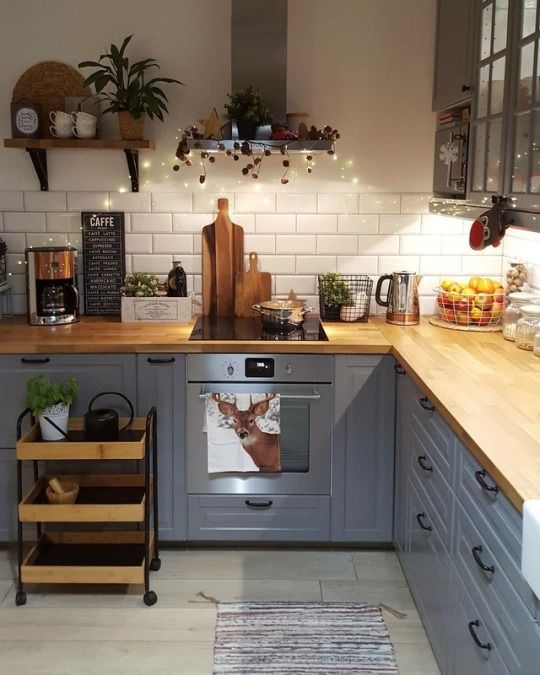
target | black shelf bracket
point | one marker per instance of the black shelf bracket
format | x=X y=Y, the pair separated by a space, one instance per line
x=132 y=157
x=39 y=160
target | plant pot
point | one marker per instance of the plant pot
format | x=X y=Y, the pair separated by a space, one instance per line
x=59 y=414
x=131 y=128
x=246 y=129
x=349 y=313
x=329 y=312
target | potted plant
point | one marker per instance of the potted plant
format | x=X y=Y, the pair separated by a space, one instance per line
x=333 y=293
x=246 y=108
x=50 y=401
x=140 y=285
x=130 y=94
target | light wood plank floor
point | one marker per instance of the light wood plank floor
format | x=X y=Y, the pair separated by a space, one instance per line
x=109 y=631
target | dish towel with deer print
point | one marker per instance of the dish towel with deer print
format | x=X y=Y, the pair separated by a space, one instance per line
x=243 y=432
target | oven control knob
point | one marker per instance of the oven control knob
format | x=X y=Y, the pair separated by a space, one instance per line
x=288 y=369
x=230 y=370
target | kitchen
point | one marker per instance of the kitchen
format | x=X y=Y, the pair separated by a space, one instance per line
x=367 y=69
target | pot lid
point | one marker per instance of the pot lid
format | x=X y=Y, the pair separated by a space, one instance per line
x=522 y=297
x=531 y=310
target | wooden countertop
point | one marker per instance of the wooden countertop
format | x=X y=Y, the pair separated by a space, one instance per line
x=484 y=387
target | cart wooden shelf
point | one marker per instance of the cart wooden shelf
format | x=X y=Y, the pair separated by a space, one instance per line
x=106 y=557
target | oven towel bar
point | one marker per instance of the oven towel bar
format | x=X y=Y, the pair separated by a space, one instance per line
x=307 y=397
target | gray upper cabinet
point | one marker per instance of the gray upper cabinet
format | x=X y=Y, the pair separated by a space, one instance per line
x=363 y=450
x=452 y=73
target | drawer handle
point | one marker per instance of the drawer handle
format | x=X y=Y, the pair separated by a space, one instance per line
x=477 y=552
x=35 y=361
x=420 y=518
x=259 y=505
x=480 y=477
x=400 y=370
x=425 y=403
x=472 y=626
x=422 y=462
x=158 y=361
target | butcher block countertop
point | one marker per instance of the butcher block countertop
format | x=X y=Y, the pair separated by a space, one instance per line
x=483 y=386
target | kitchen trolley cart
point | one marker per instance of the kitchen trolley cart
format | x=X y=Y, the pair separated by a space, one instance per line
x=90 y=557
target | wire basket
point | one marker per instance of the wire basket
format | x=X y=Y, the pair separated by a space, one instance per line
x=470 y=310
x=357 y=295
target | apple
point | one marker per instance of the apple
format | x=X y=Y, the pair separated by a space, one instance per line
x=462 y=318
x=497 y=308
x=476 y=314
x=498 y=296
x=485 y=319
x=448 y=315
x=483 y=300
x=473 y=282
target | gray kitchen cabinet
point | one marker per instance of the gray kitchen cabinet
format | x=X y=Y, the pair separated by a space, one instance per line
x=453 y=45
x=363 y=449
x=161 y=382
x=404 y=400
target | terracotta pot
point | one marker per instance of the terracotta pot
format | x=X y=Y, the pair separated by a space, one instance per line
x=131 y=128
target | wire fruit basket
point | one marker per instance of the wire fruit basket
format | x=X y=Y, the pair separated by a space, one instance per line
x=468 y=310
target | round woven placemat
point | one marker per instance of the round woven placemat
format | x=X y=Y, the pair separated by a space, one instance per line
x=48 y=83
x=441 y=323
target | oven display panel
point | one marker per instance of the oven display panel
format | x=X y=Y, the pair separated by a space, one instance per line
x=260 y=367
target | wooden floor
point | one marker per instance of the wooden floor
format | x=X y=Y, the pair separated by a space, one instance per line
x=106 y=630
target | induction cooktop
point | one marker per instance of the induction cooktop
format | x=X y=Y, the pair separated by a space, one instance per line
x=251 y=328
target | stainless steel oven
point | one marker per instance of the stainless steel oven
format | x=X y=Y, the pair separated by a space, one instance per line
x=304 y=383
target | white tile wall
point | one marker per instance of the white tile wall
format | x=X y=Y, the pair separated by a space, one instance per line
x=379 y=203
x=130 y=201
x=88 y=201
x=11 y=200
x=172 y=243
x=358 y=224
x=255 y=202
x=151 y=222
x=308 y=224
x=165 y=202
x=275 y=223
x=337 y=203
x=402 y=223
x=24 y=222
x=45 y=201
x=291 y=203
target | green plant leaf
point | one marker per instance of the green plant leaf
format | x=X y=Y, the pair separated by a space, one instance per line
x=125 y=44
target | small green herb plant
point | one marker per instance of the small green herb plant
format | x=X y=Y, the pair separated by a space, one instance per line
x=333 y=290
x=140 y=285
x=41 y=393
x=247 y=105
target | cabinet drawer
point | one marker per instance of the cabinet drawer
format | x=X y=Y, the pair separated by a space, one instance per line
x=259 y=518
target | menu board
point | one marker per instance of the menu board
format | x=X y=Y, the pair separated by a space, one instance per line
x=104 y=261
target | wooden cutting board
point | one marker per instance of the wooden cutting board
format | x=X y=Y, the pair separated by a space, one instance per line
x=251 y=287
x=222 y=259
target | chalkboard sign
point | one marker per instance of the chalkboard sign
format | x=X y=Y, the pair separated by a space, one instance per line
x=104 y=261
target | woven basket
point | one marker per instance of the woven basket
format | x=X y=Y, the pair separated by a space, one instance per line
x=68 y=497
x=131 y=128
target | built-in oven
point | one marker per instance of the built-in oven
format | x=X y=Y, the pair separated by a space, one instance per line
x=304 y=385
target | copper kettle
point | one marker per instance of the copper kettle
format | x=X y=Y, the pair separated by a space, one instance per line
x=402 y=304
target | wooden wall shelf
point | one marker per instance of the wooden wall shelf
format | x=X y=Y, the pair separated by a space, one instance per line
x=37 y=150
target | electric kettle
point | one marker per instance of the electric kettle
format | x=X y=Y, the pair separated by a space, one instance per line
x=102 y=424
x=402 y=306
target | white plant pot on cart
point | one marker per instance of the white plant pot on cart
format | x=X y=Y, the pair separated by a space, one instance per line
x=59 y=414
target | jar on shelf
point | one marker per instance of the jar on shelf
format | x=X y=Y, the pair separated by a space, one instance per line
x=512 y=313
x=516 y=277
x=528 y=326
x=536 y=348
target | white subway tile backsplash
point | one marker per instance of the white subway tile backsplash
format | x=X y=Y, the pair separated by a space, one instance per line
x=191 y=222
x=337 y=203
x=275 y=223
x=138 y=243
x=370 y=244
x=197 y=243
x=428 y=283
x=456 y=244
x=46 y=239
x=172 y=243
x=395 y=263
x=255 y=202
x=63 y=222
x=296 y=243
x=441 y=264
x=245 y=220
x=18 y=283
x=379 y=203
x=1 y=222
x=19 y=304
x=129 y=201
x=358 y=224
x=88 y=201
x=260 y=243
x=206 y=202
x=24 y=222
x=191 y=264
x=428 y=305
x=338 y=244
x=358 y=264
x=301 y=285
x=432 y=223
x=400 y=223
x=296 y=203
x=151 y=222
x=16 y=242
x=167 y=202
x=316 y=264
x=491 y=265
x=15 y=263
x=415 y=202
x=423 y=244
x=11 y=200
x=153 y=264
x=277 y=264
x=45 y=201
x=313 y=224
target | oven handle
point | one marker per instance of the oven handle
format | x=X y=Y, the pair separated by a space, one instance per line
x=307 y=397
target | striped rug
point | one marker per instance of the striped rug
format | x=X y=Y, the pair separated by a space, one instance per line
x=290 y=638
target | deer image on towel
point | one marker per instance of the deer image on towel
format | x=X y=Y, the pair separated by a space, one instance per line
x=262 y=447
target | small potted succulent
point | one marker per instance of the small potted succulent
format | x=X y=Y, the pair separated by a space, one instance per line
x=333 y=293
x=49 y=402
x=125 y=87
x=246 y=108
x=140 y=285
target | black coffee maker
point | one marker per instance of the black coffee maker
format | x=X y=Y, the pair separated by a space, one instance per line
x=53 y=296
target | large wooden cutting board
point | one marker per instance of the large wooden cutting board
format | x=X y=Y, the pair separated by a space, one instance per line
x=251 y=287
x=222 y=259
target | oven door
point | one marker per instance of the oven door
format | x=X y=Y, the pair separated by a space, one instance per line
x=306 y=424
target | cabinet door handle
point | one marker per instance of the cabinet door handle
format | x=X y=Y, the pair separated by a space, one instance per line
x=480 y=477
x=400 y=370
x=465 y=87
x=259 y=505
x=477 y=552
x=24 y=359
x=420 y=518
x=472 y=630
x=155 y=362
x=421 y=459
x=426 y=404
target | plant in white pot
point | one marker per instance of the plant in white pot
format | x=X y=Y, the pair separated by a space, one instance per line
x=49 y=402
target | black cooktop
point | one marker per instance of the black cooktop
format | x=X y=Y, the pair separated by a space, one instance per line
x=251 y=328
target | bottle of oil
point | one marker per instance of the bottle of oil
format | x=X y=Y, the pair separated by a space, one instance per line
x=176 y=281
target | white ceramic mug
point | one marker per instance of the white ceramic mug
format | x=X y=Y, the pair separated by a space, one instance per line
x=84 y=124
x=62 y=124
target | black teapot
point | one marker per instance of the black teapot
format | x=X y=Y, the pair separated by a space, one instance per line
x=103 y=424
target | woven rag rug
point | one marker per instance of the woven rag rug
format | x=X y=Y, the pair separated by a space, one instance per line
x=291 y=638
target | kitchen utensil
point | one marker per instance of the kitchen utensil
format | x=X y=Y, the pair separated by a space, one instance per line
x=402 y=298
x=62 y=493
x=282 y=315
x=251 y=288
x=102 y=424
x=222 y=259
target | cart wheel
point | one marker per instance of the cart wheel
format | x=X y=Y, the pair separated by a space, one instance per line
x=155 y=564
x=20 y=598
x=150 y=598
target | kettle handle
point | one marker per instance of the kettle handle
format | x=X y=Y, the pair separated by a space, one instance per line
x=115 y=393
x=380 y=301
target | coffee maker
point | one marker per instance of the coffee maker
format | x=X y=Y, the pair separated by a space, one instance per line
x=51 y=276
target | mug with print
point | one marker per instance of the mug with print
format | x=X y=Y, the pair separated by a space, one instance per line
x=84 y=124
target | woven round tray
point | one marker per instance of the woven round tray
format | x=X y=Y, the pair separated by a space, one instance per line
x=441 y=323
x=48 y=83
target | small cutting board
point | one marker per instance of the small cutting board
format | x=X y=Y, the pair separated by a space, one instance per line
x=251 y=287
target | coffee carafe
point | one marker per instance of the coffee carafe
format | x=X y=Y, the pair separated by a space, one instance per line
x=401 y=299
x=53 y=297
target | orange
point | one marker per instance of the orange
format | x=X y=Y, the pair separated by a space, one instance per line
x=486 y=285
x=473 y=283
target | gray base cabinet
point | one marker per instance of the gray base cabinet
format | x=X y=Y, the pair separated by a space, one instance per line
x=363 y=449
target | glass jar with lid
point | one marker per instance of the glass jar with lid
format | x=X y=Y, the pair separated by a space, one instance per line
x=528 y=326
x=513 y=311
